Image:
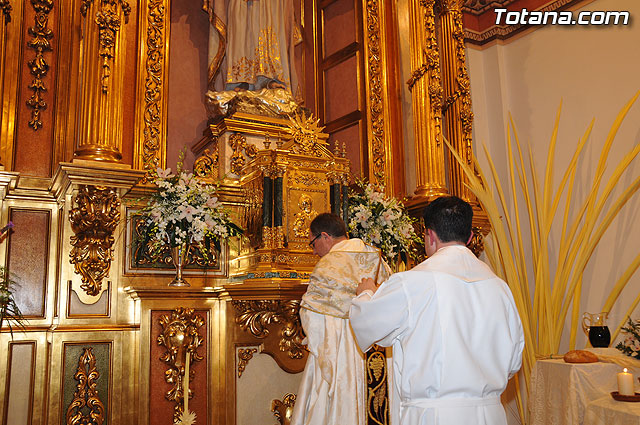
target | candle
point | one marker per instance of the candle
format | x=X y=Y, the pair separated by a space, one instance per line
x=625 y=383
x=186 y=383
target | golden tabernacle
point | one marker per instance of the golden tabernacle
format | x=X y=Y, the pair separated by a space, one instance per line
x=161 y=162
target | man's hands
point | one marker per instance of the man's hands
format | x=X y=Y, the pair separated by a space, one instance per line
x=366 y=283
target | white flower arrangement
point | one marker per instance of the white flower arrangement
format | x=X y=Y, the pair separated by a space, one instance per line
x=381 y=221
x=185 y=210
x=631 y=343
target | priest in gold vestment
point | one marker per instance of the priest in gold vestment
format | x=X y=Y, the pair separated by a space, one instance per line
x=332 y=391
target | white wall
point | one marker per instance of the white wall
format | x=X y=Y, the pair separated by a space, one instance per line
x=594 y=71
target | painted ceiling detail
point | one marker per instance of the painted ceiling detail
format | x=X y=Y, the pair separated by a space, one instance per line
x=479 y=17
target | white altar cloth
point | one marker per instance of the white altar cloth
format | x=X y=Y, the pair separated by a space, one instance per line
x=607 y=411
x=560 y=392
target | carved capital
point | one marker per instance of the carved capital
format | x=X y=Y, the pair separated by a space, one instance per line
x=107 y=19
x=94 y=217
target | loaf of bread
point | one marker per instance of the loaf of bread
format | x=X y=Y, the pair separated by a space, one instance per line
x=580 y=356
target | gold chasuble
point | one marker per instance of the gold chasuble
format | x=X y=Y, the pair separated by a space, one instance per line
x=333 y=283
x=332 y=390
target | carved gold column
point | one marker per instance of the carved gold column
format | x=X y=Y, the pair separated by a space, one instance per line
x=426 y=100
x=456 y=108
x=103 y=61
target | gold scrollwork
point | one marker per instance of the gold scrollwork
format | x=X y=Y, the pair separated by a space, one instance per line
x=238 y=142
x=273 y=237
x=207 y=165
x=5 y=7
x=377 y=395
x=284 y=409
x=244 y=355
x=153 y=109
x=307 y=180
x=38 y=66
x=256 y=316
x=376 y=108
x=180 y=336
x=93 y=220
x=108 y=21
x=476 y=245
x=86 y=407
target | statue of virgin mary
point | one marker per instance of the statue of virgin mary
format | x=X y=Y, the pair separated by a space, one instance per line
x=251 y=52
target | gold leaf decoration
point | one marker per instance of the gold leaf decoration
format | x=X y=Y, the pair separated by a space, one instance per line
x=256 y=316
x=86 y=408
x=94 y=217
x=180 y=336
x=206 y=166
x=244 y=355
x=38 y=66
x=283 y=410
x=108 y=21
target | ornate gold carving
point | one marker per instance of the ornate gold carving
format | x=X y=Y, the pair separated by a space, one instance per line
x=207 y=165
x=256 y=316
x=154 y=65
x=458 y=116
x=179 y=336
x=237 y=141
x=108 y=21
x=273 y=237
x=284 y=409
x=426 y=100
x=304 y=216
x=244 y=355
x=476 y=245
x=305 y=133
x=93 y=220
x=377 y=394
x=38 y=66
x=5 y=7
x=251 y=151
x=306 y=179
x=376 y=107
x=86 y=408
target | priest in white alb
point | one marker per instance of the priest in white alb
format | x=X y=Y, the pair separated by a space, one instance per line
x=332 y=391
x=453 y=325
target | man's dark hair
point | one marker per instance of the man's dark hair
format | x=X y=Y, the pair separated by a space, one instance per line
x=450 y=217
x=329 y=223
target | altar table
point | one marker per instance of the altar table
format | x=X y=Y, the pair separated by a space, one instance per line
x=560 y=392
x=607 y=411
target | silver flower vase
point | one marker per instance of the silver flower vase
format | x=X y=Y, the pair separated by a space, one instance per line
x=179 y=255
